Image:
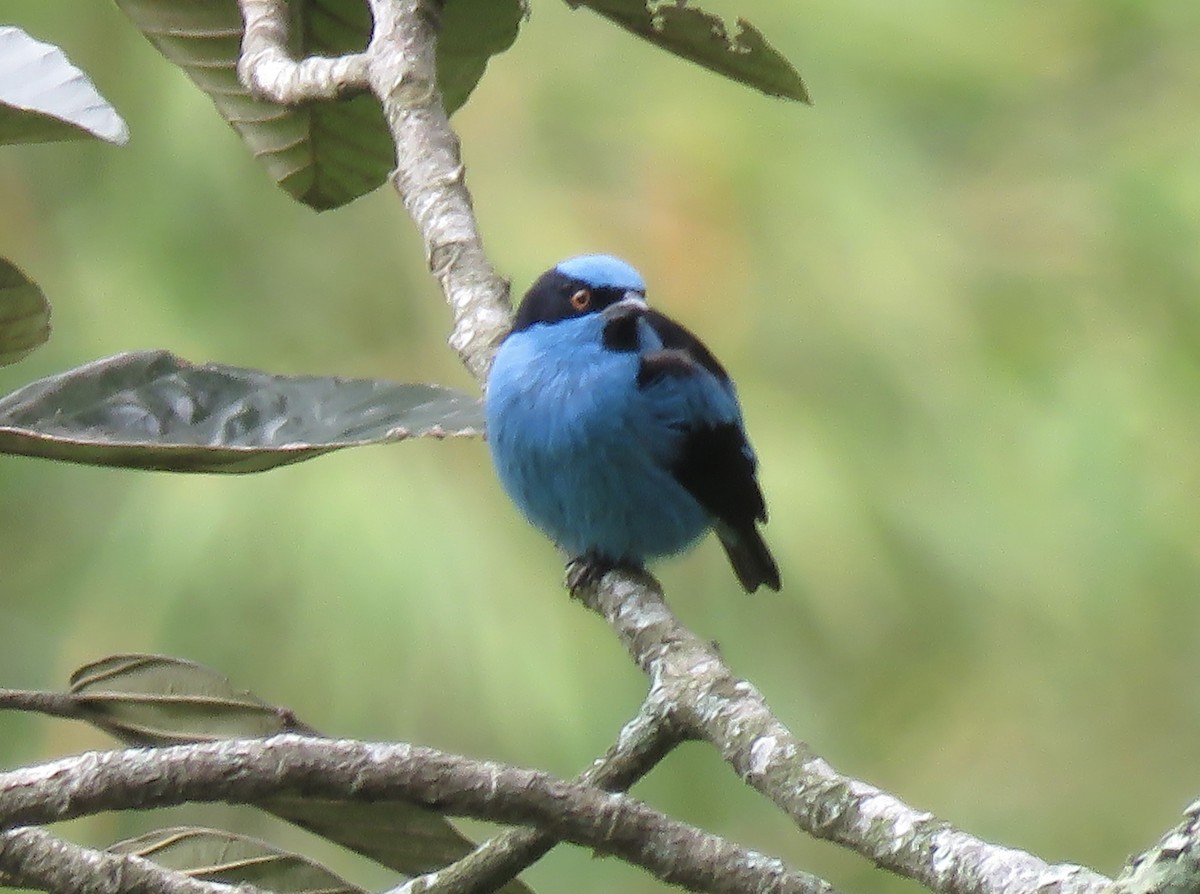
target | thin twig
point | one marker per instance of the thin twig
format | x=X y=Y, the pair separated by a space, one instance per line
x=53 y=704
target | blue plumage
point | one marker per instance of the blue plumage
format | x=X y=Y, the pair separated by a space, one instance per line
x=616 y=431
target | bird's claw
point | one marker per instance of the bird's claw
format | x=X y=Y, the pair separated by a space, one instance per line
x=583 y=572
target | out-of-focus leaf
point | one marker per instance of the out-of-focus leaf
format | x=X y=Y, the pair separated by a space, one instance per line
x=472 y=32
x=324 y=155
x=157 y=700
x=406 y=837
x=212 y=855
x=24 y=314
x=703 y=38
x=328 y=153
x=43 y=97
x=153 y=410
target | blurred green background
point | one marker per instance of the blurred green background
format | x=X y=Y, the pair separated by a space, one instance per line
x=961 y=297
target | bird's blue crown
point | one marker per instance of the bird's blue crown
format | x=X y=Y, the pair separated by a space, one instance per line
x=603 y=271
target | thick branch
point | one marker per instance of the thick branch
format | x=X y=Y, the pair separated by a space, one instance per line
x=33 y=858
x=713 y=704
x=244 y=771
x=267 y=69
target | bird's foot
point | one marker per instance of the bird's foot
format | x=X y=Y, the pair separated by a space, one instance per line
x=583 y=572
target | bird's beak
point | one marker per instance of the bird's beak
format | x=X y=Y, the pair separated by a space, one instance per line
x=630 y=301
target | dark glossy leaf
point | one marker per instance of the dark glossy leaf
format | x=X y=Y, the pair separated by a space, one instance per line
x=324 y=155
x=472 y=32
x=153 y=410
x=24 y=315
x=157 y=700
x=703 y=38
x=44 y=98
x=212 y=855
x=329 y=153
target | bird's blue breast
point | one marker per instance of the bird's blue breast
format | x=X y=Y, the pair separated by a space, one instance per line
x=585 y=452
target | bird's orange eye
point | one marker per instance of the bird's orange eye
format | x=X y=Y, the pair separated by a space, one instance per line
x=581 y=300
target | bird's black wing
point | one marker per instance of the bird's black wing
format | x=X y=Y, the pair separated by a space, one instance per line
x=715 y=464
x=680 y=338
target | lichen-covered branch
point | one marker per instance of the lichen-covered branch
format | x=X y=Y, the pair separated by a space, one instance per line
x=33 y=858
x=1172 y=866
x=431 y=179
x=711 y=703
x=243 y=771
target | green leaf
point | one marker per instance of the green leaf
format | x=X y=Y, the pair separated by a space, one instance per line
x=153 y=410
x=157 y=700
x=328 y=153
x=472 y=32
x=407 y=837
x=24 y=315
x=703 y=38
x=43 y=97
x=212 y=855
x=324 y=155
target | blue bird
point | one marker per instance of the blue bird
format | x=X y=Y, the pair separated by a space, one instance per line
x=616 y=431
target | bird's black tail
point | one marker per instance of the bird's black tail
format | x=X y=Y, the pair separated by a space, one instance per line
x=748 y=554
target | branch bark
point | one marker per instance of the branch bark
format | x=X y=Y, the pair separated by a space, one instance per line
x=1172 y=866
x=52 y=704
x=711 y=703
x=266 y=67
x=33 y=858
x=431 y=179
x=242 y=771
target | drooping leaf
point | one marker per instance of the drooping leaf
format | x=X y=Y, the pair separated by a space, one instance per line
x=324 y=155
x=328 y=153
x=703 y=38
x=44 y=98
x=472 y=32
x=406 y=837
x=24 y=315
x=153 y=410
x=213 y=855
x=157 y=700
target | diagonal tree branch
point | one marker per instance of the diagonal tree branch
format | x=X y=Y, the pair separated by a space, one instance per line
x=33 y=858
x=240 y=771
x=713 y=704
x=431 y=179
x=1171 y=866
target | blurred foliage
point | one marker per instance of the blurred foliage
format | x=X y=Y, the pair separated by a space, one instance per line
x=961 y=297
